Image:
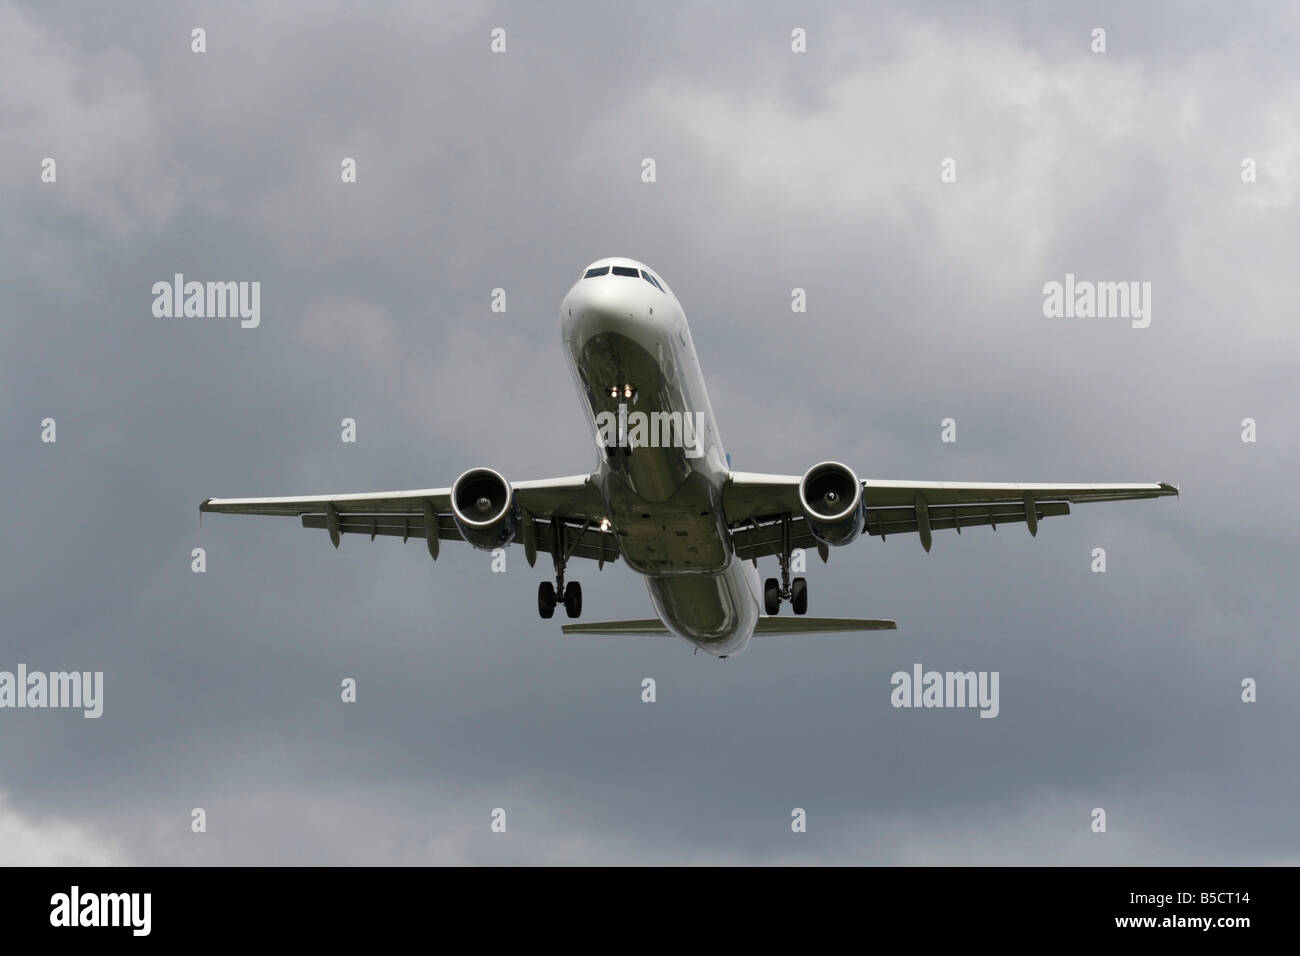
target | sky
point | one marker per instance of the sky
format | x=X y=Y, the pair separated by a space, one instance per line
x=775 y=170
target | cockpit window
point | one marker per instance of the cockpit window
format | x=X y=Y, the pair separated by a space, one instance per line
x=626 y=271
x=598 y=271
x=652 y=280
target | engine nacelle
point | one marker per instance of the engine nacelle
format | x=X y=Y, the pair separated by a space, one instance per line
x=831 y=498
x=483 y=507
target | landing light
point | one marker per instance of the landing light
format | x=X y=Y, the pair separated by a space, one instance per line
x=604 y=524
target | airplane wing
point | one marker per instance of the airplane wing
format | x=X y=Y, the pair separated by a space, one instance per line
x=566 y=511
x=756 y=506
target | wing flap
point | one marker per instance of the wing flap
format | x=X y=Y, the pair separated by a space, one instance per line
x=593 y=544
x=400 y=526
x=887 y=521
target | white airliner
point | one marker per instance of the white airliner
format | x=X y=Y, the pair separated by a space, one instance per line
x=663 y=497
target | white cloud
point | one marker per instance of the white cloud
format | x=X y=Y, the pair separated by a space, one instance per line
x=25 y=841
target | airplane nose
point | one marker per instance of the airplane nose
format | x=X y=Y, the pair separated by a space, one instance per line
x=601 y=305
x=605 y=296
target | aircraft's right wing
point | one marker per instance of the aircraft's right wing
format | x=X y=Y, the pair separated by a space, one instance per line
x=563 y=511
x=756 y=506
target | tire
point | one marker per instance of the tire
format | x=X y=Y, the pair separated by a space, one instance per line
x=799 y=596
x=771 y=597
x=546 y=599
x=573 y=599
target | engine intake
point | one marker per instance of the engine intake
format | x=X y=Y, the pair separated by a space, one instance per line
x=831 y=498
x=482 y=505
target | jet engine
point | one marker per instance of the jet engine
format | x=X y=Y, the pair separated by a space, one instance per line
x=482 y=505
x=831 y=498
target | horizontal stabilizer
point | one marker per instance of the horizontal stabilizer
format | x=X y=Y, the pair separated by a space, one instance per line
x=649 y=626
x=819 y=625
x=765 y=625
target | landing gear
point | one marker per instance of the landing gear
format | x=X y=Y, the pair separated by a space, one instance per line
x=775 y=592
x=570 y=595
x=573 y=599
x=799 y=596
x=546 y=599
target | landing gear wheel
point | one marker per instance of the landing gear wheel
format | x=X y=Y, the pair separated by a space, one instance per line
x=546 y=599
x=573 y=599
x=799 y=596
x=771 y=597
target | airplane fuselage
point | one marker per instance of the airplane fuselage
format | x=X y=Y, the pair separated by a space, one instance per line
x=662 y=465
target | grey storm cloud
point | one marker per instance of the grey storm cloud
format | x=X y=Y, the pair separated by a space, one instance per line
x=775 y=171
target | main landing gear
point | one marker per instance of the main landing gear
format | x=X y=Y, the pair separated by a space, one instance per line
x=571 y=599
x=775 y=592
x=570 y=595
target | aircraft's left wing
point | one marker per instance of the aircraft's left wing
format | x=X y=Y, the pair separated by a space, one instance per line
x=566 y=511
x=756 y=506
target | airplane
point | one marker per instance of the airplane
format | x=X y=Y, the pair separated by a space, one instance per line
x=664 y=498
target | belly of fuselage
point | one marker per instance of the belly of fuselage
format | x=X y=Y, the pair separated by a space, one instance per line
x=716 y=612
x=699 y=588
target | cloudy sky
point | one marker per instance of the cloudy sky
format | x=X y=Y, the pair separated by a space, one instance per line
x=775 y=170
